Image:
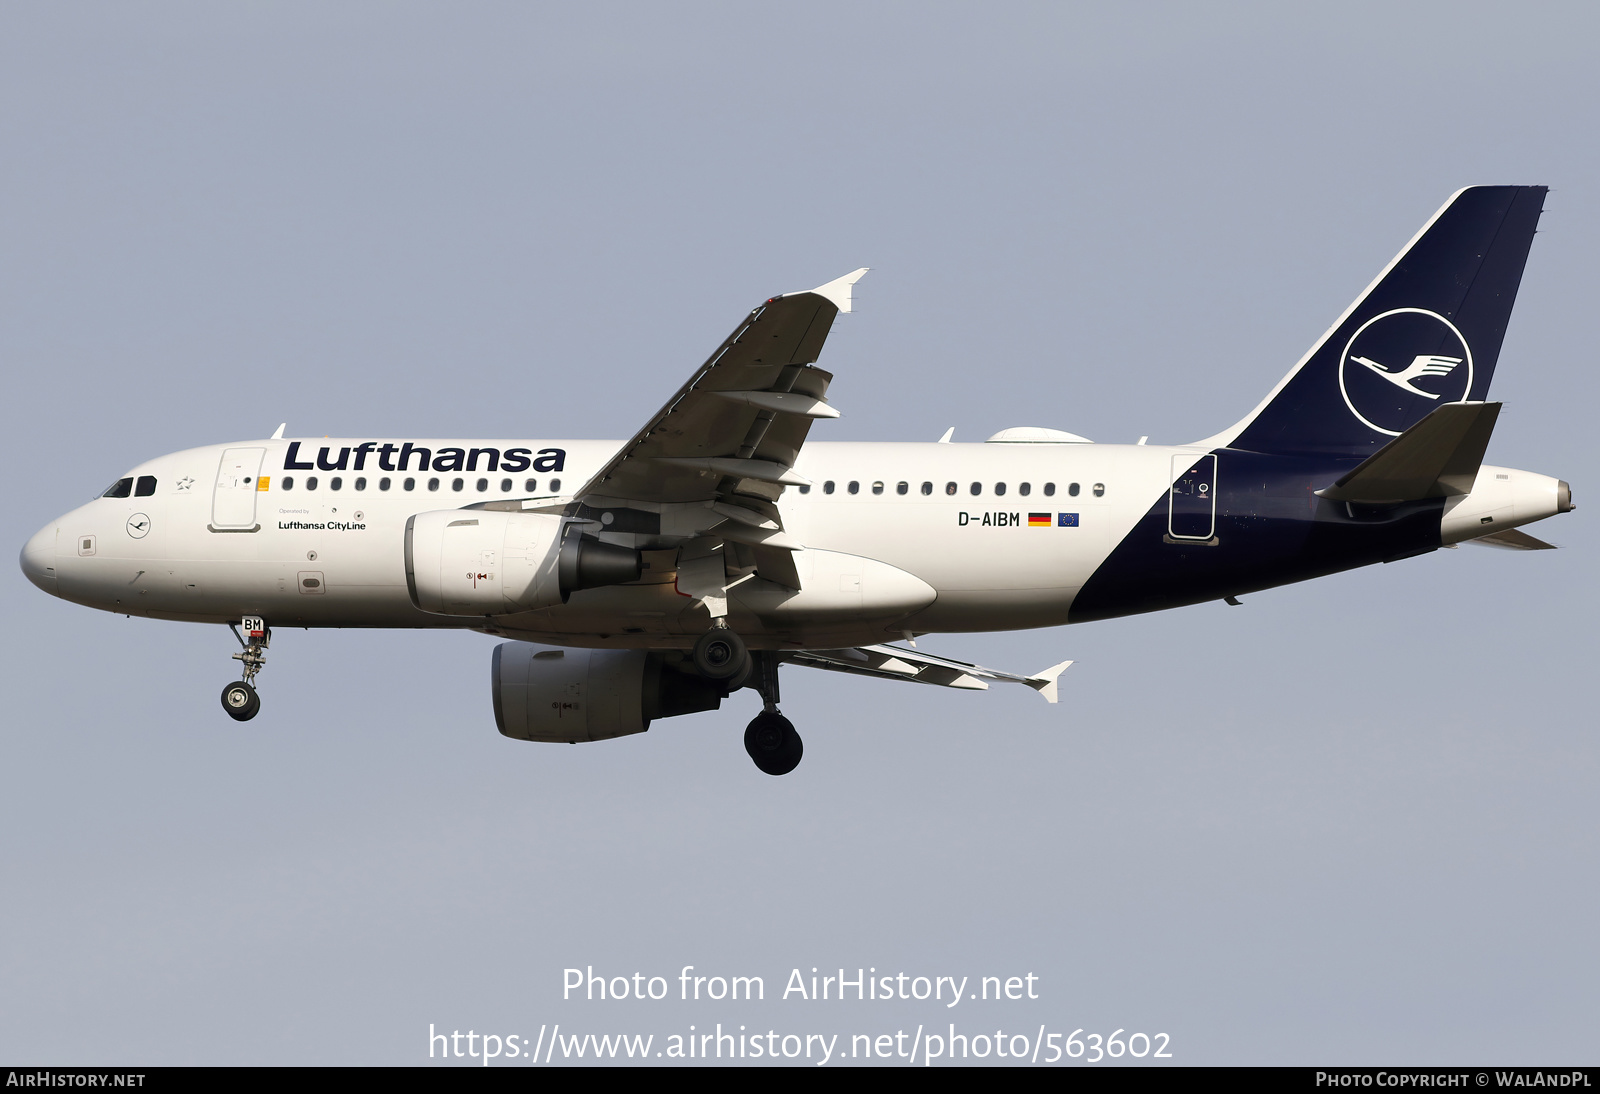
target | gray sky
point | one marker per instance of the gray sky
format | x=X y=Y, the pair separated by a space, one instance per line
x=1352 y=821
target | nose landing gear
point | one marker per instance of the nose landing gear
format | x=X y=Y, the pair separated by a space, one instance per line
x=240 y=699
x=770 y=738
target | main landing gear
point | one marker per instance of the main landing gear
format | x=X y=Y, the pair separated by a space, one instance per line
x=239 y=699
x=773 y=744
x=721 y=655
x=770 y=738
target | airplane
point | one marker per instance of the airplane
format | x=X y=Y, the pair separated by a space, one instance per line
x=656 y=577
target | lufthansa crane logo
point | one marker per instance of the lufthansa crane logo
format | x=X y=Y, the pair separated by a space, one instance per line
x=1399 y=365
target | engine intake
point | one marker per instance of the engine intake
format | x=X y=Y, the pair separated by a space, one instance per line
x=572 y=695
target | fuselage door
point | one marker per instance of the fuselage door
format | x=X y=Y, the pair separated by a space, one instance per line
x=1192 y=502
x=233 y=504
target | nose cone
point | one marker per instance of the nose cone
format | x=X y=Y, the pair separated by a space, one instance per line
x=38 y=559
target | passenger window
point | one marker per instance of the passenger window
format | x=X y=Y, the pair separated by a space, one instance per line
x=433 y=484
x=119 y=489
x=505 y=486
x=531 y=486
x=977 y=488
x=1024 y=489
x=877 y=488
x=361 y=484
x=927 y=488
x=950 y=488
x=1049 y=489
x=147 y=486
x=999 y=489
x=805 y=489
x=1072 y=489
x=555 y=486
x=456 y=484
x=854 y=487
x=483 y=484
x=410 y=484
x=827 y=487
x=1099 y=489
x=287 y=483
x=383 y=484
x=311 y=482
x=335 y=483
x=902 y=488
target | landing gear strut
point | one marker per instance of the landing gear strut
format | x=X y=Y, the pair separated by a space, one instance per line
x=240 y=699
x=770 y=738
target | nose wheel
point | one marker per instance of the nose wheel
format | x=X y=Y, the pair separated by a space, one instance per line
x=239 y=699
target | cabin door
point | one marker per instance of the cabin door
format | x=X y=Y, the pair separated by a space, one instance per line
x=1192 y=501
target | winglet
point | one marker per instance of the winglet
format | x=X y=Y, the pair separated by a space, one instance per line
x=837 y=291
x=278 y=436
x=1045 y=682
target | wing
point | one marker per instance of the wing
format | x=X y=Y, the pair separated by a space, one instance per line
x=899 y=663
x=743 y=415
x=725 y=444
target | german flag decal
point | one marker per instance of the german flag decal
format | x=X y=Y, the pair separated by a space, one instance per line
x=1038 y=520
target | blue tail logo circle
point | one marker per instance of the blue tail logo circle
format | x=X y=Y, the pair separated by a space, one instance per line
x=1400 y=365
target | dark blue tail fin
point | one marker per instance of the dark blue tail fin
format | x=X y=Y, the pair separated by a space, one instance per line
x=1427 y=332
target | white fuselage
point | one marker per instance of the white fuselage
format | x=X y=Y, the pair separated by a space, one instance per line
x=331 y=554
x=327 y=556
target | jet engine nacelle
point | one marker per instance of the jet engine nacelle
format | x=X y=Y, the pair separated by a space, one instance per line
x=572 y=695
x=486 y=562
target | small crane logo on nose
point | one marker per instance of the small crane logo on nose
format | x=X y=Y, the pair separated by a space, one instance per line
x=138 y=526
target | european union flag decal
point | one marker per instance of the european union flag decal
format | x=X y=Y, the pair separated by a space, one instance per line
x=1066 y=520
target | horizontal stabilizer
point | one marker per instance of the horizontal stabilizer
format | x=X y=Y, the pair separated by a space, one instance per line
x=1512 y=540
x=1436 y=458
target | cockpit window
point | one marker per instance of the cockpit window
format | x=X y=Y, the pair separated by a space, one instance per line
x=119 y=489
x=146 y=487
